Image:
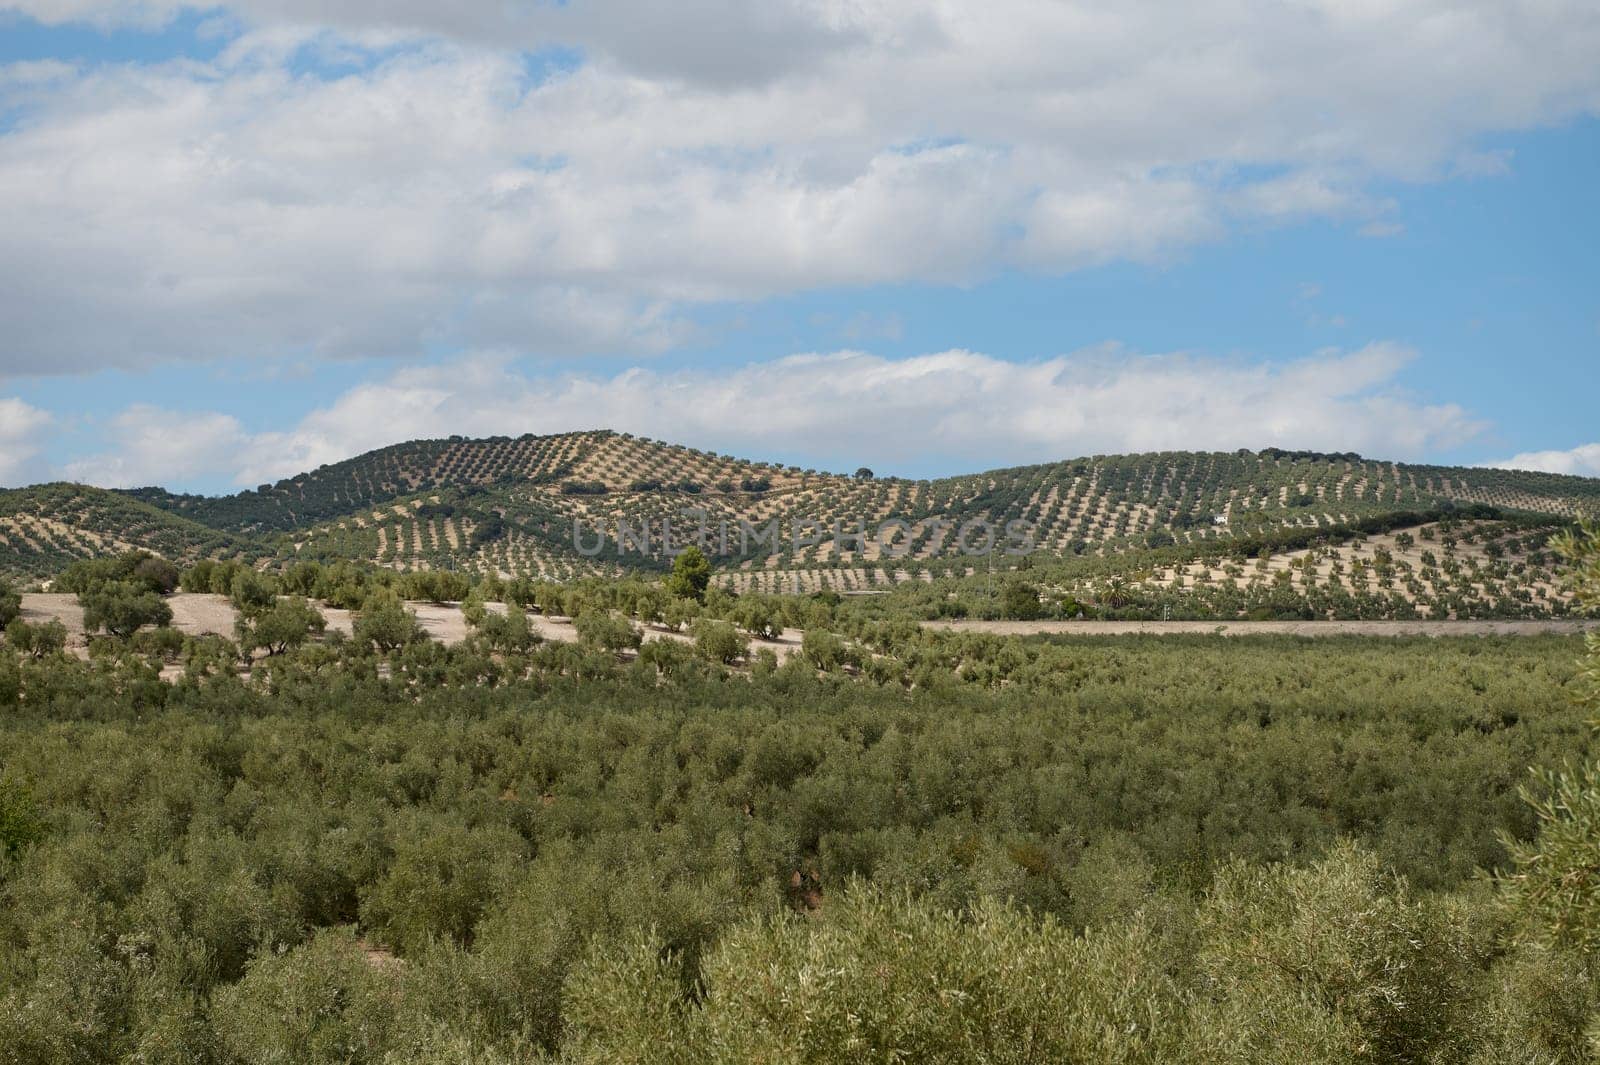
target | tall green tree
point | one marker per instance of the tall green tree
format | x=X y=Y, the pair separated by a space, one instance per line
x=691 y=574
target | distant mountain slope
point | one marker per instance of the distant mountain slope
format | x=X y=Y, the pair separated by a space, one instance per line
x=45 y=527
x=499 y=518
x=512 y=505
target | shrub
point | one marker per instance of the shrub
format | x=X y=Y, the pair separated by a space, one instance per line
x=121 y=608
x=251 y=593
x=824 y=650
x=386 y=624
x=605 y=631
x=879 y=977
x=717 y=641
x=10 y=603
x=320 y=1002
x=149 y=572
x=288 y=624
x=20 y=825
x=159 y=575
x=442 y=877
x=758 y=616
x=1020 y=601
x=508 y=633
x=1361 y=965
x=36 y=640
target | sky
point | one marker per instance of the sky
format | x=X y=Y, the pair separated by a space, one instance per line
x=241 y=241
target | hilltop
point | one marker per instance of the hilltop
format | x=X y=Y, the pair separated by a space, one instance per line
x=509 y=505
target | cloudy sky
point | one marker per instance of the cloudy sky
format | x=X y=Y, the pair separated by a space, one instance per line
x=240 y=241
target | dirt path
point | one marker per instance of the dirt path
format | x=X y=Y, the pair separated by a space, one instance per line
x=1565 y=626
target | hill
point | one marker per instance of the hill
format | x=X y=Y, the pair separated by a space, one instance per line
x=45 y=527
x=511 y=505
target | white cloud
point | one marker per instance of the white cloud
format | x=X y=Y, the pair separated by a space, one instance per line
x=937 y=413
x=1581 y=461
x=22 y=431
x=435 y=196
x=155 y=446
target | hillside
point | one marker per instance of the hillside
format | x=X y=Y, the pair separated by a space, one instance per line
x=484 y=504
x=510 y=505
x=45 y=527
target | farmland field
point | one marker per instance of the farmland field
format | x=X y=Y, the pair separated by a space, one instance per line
x=1108 y=805
x=333 y=861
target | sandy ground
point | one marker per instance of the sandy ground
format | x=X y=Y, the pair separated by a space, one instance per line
x=202 y=615
x=1287 y=628
x=38 y=608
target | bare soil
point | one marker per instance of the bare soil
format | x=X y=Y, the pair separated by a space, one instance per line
x=1288 y=628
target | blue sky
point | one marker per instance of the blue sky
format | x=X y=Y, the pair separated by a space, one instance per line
x=251 y=239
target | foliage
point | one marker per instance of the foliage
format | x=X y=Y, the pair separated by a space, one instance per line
x=1021 y=601
x=488 y=854
x=140 y=568
x=36 y=640
x=387 y=624
x=758 y=615
x=1556 y=885
x=717 y=641
x=287 y=624
x=824 y=650
x=691 y=574
x=122 y=607
x=20 y=825
x=605 y=631
x=10 y=603
x=252 y=594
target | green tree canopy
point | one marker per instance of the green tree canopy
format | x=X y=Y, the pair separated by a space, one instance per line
x=122 y=608
x=289 y=623
x=386 y=624
x=10 y=603
x=691 y=574
x=1556 y=883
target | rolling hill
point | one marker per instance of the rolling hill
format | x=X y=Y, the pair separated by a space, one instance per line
x=510 y=505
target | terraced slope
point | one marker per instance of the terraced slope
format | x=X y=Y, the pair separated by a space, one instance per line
x=1097 y=506
x=46 y=527
x=512 y=506
x=376 y=477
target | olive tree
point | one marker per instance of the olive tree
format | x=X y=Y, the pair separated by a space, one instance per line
x=122 y=608
x=287 y=624
x=1553 y=885
x=36 y=641
x=717 y=641
x=386 y=624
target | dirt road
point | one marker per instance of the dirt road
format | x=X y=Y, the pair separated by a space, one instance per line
x=1256 y=628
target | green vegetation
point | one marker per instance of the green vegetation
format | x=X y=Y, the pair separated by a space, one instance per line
x=10 y=603
x=661 y=842
x=691 y=574
x=509 y=506
x=283 y=626
x=508 y=848
x=1555 y=875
